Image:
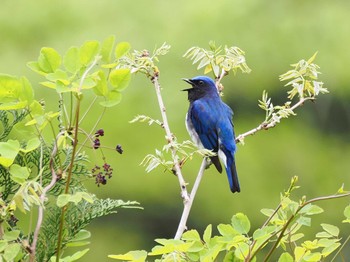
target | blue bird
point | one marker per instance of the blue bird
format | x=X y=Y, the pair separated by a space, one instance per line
x=209 y=123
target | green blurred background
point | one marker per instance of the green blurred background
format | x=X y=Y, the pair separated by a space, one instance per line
x=314 y=145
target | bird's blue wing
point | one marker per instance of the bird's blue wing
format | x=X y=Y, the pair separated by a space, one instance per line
x=204 y=123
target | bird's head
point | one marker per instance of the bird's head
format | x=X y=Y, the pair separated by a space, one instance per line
x=201 y=86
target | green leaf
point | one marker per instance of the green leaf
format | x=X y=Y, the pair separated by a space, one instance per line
x=306 y=221
x=285 y=257
x=241 y=223
x=106 y=49
x=207 y=233
x=88 y=51
x=19 y=174
x=136 y=256
x=330 y=249
x=313 y=257
x=49 y=60
x=13 y=105
x=27 y=93
x=121 y=49
x=71 y=60
x=113 y=98
x=63 y=200
x=101 y=88
x=8 y=152
x=226 y=230
x=191 y=235
x=120 y=78
x=267 y=212
x=12 y=251
x=347 y=214
x=242 y=250
x=82 y=235
x=311 y=209
x=333 y=230
x=11 y=235
x=32 y=144
x=10 y=88
x=299 y=252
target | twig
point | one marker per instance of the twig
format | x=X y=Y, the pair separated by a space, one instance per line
x=42 y=198
x=187 y=206
x=74 y=151
x=170 y=139
x=273 y=248
x=265 y=126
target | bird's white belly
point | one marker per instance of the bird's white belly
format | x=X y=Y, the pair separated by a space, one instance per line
x=193 y=134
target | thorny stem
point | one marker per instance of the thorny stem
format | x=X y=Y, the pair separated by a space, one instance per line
x=170 y=139
x=265 y=126
x=42 y=199
x=187 y=206
x=317 y=199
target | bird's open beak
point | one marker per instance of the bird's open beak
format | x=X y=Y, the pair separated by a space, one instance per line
x=187 y=81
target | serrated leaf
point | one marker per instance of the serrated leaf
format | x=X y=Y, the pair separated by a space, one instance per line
x=120 y=78
x=121 y=49
x=49 y=60
x=241 y=223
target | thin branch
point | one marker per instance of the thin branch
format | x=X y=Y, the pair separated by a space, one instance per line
x=317 y=199
x=187 y=206
x=43 y=197
x=170 y=139
x=273 y=123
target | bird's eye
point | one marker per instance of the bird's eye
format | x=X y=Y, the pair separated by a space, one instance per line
x=201 y=83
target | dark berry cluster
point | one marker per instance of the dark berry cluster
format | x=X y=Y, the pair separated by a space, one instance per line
x=97 y=142
x=102 y=173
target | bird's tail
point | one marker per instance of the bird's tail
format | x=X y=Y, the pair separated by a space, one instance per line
x=232 y=176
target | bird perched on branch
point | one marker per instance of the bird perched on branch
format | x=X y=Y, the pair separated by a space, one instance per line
x=209 y=123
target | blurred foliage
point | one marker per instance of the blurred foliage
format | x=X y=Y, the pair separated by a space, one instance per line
x=273 y=34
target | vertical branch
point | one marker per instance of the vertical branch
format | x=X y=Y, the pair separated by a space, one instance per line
x=74 y=151
x=187 y=206
x=170 y=139
x=42 y=198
